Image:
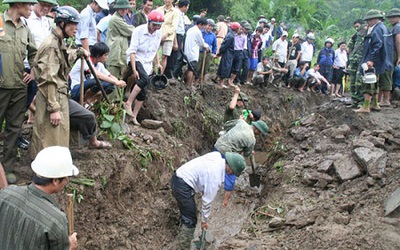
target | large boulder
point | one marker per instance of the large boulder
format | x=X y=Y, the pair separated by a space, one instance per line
x=346 y=168
x=373 y=160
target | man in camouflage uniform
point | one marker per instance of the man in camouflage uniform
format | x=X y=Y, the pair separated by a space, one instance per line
x=356 y=46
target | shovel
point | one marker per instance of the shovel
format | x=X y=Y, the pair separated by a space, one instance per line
x=201 y=244
x=254 y=178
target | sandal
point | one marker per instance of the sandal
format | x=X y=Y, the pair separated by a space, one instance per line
x=101 y=145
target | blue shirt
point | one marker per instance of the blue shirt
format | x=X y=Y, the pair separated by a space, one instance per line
x=130 y=20
x=297 y=73
x=211 y=40
x=87 y=26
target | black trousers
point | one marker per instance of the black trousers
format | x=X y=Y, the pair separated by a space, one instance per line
x=184 y=195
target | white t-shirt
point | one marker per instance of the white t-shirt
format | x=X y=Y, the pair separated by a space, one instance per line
x=75 y=73
x=340 y=58
x=194 y=41
x=307 y=51
x=281 y=48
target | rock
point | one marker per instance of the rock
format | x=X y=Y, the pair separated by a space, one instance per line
x=305 y=145
x=323 y=145
x=299 y=217
x=347 y=207
x=341 y=219
x=147 y=138
x=310 y=178
x=151 y=124
x=301 y=133
x=344 y=129
x=377 y=141
x=370 y=181
x=325 y=166
x=373 y=160
x=346 y=168
x=392 y=204
x=312 y=119
x=358 y=143
x=339 y=138
x=275 y=222
x=341 y=132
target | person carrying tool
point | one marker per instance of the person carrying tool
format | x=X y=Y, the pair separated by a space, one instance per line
x=92 y=92
x=30 y=217
x=55 y=111
x=141 y=54
x=203 y=174
x=235 y=106
x=240 y=139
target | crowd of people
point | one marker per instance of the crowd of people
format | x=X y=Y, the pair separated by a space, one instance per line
x=42 y=71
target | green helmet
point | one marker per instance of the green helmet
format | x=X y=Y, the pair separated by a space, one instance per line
x=20 y=1
x=395 y=12
x=372 y=14
x=236 y=162
x=122 y=4
x=261 y=126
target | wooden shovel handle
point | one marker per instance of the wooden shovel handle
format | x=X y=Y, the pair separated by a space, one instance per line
x=70 y=214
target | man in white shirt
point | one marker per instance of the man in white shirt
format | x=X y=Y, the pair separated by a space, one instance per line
x=280 y=47
x=193 y=43
x=140 y=56
x=203 y=174
x=339 y=64
x=315 y=79
x=87 y=32
x=307 y=49
x=92 y=92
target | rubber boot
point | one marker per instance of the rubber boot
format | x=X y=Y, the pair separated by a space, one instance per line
x=185 y=237
x=375 y=105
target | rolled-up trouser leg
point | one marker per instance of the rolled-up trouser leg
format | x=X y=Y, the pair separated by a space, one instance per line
x=82 y=119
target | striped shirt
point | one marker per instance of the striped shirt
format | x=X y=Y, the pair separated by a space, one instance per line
x=239 y=139
x=30 y=219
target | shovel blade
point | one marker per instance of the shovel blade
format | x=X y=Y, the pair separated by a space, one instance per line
x=254 y=180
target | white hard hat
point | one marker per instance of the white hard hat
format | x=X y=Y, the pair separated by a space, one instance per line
x=102 y=3
x=330 y=40
x=54 y=162
x=310 y=36
x=284 y=33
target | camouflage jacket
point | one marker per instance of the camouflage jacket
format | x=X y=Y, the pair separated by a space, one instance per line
x=356 y=44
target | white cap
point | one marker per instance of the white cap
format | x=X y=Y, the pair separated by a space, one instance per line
x=54 y=162
x=295 y=35
x=103 y=4
x=284 y=33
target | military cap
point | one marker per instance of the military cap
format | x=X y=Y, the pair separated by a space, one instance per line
x=395 y=12
x=372 y=14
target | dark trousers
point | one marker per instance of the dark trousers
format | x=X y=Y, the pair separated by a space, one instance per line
x=142 y=82
x=245 y=67
x=12 y=109
x=184 y=195
x=82 y=119
x=179 y=62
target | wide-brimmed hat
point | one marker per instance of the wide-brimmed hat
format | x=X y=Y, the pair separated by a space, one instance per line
x=122 y=4
x=372 y=14
x=395 y=12
x=261 y=126
x=236 y=162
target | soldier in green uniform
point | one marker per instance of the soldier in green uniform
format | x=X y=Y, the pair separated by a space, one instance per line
x=15 y=45
x=356 y=46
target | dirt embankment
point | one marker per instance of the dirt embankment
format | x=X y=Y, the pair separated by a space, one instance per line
x=312 y=194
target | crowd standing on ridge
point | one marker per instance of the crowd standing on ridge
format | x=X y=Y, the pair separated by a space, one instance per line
x=50 y=55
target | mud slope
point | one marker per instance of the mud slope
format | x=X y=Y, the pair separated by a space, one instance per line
x=303 y=202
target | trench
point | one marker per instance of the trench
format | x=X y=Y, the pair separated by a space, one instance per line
x=135 y=209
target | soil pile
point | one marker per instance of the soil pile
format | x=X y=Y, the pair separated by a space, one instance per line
x=326 y=173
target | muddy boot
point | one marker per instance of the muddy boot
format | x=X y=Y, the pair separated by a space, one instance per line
x=185 y=237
